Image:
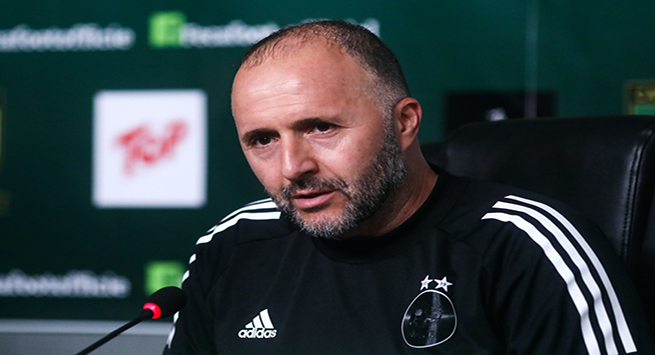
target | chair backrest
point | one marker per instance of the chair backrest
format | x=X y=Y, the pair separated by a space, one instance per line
x=602 y=166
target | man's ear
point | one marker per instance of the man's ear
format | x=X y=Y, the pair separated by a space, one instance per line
x=407 y=117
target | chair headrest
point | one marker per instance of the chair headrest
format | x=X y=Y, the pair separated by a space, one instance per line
x=601 y=166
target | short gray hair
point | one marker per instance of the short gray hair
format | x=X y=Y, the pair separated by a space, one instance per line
x=361 y=44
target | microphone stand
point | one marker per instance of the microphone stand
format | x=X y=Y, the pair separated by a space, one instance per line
x=145 y=314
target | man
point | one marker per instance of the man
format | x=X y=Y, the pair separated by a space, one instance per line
x=366 y=248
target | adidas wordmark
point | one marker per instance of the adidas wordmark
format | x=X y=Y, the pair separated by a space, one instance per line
x=261 y=327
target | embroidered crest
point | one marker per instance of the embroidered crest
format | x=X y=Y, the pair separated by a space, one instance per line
x=430 y=319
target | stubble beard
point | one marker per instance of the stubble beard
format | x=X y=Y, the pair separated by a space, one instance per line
x=364 y=197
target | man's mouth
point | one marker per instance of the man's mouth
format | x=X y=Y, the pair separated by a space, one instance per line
x=308 y=200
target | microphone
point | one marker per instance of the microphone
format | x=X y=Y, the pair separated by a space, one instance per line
x=163 y=303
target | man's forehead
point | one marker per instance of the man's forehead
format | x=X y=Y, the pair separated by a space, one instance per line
x=316 y=77
x=311 y=62
x=284 y=48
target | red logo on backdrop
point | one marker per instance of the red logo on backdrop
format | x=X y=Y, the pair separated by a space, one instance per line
x=144 y=147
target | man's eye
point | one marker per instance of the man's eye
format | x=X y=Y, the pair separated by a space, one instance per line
x=323 y=127
x=264 y=140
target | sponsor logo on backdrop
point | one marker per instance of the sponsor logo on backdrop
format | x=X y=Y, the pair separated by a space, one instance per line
x=170 y=29
x=149 y=149
x=162 y=273
x=142 y=147
x=167 y=29
x=79 y=37
x=74 y=284
x=640 y=97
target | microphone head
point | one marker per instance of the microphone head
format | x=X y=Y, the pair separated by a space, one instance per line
x=165 y=302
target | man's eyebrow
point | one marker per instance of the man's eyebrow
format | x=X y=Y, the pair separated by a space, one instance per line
x=310 y=122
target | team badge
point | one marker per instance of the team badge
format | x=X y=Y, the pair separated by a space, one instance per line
x=430 y=319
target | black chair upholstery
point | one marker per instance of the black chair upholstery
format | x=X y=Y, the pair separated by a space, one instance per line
x=602 y=166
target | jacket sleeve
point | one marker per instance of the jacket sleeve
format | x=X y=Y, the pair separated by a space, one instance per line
x=555 y=286
x=192 y=331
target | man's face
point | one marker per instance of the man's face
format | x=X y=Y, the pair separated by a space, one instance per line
x=316 y=140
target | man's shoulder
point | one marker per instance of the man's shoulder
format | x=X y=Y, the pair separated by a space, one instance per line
x=480 y=205
x=258 y=220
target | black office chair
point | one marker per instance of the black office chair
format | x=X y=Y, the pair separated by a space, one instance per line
x=602 y=166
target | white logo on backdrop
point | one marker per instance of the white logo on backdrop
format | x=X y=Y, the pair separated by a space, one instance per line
x=75 y=283
x=149 y=149
x=79 y=37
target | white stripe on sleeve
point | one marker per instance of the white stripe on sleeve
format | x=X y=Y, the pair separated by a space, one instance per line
x=622 y=324
x=563 y=270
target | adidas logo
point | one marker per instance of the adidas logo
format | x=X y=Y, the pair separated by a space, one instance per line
x=261 y=327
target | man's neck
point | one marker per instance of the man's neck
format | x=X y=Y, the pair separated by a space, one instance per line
x=401 y=204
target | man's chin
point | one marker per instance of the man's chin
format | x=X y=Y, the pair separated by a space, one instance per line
x=322 y=226
x=316 y=218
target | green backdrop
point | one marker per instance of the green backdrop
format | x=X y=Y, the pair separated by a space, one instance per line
x=583 y=53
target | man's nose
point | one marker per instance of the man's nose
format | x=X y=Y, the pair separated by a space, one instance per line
x=298 y=160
